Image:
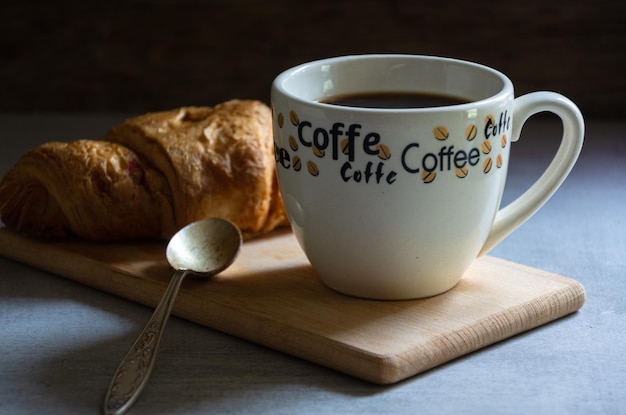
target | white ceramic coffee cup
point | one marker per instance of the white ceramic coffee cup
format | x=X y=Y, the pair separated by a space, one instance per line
x=397 y=203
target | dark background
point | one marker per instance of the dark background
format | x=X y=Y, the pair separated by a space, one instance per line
x=136 y=56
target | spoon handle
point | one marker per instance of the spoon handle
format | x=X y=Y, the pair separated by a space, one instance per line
x=134 y=370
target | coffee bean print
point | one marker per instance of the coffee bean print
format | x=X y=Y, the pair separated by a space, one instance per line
x=296 y=163
x=312 y=168
x=499 y=161
x=293 y=117
x=319 y=153
x=441 y=133
x=293 y=143
x=486 y=147
x=383 y=152
x=281 y=120
x=503 y=141
x=487 y=165
x=345 y=146
x=428 y=176
x=489 y=119
x=461 y=172
x=470 y=132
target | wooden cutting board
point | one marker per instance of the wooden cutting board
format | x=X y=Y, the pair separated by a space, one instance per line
x=272 y=296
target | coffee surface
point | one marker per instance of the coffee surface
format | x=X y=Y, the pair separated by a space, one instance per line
x=393 y=100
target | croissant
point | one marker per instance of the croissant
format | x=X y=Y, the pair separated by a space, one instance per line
x=149 y=176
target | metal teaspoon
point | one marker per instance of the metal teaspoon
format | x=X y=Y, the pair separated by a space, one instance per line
x=203 y=248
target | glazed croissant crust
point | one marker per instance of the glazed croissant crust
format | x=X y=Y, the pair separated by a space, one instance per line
x=150 y=176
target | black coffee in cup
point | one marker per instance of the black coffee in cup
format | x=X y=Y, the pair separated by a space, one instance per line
x=393 y=100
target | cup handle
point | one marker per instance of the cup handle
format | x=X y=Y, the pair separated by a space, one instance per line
x=521 y=209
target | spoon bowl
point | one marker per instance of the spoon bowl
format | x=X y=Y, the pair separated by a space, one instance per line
x=203 y=248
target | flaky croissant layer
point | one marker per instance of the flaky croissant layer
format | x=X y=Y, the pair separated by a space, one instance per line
x=150 y=176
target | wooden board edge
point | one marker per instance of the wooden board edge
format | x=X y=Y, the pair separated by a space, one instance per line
x=45 y=256
x=385 y=369
x=543 y=310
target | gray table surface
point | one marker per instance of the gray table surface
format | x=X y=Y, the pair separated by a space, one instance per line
x=60 y=342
